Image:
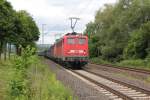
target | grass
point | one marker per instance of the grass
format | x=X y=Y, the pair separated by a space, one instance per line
x=148 y=80
x=43 y=83
x=6 y=72
x=138 y=63
x=97 y=60
x=45 y=86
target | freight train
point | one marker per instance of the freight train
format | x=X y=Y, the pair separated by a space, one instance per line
x=72 y=48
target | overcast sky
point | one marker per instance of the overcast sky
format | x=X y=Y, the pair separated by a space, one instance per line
x=55 y=13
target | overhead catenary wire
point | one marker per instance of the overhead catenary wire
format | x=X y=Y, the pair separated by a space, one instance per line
x=81 y=11
x=76 y=11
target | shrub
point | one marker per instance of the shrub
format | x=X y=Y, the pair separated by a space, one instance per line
x=44 y=85
x=20 y=85
x=138 y=45
x=98 y=60
x=138 y=63
x=32 y=80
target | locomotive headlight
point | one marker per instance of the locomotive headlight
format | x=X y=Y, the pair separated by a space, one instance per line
x=84 y=51
x=72 y=51
x=81 y=51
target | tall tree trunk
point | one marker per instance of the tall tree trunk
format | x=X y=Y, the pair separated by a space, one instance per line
x=1 y=49
x=18 y=50
x=5 y=50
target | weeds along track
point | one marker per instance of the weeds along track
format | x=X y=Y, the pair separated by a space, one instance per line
x=113 y=89
x=135 y=70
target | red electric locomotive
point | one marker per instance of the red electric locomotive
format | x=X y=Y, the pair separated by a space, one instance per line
x=71 y=48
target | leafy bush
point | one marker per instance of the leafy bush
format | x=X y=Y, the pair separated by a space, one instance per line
x=20 y=84
x=98 y=60
x=6 y=72
x=138 y=46
x=133 y=63
x=44 y=85
x=121 y=30
x=94 y=46
x=111 y=53
x=32 y=80
x=137 y=62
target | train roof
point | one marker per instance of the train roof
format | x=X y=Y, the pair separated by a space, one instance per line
x=74 y=34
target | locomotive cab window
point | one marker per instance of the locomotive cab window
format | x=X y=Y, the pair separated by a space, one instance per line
x=71 y=41
x=82 y=40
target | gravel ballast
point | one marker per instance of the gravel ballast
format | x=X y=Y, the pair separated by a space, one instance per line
x=123 y=76
x=80 y=89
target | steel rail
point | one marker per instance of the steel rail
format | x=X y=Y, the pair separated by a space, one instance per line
x=120 y=82
x=119 y=94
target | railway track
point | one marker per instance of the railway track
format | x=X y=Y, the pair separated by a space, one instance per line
x=123 y=68
x=113 y=89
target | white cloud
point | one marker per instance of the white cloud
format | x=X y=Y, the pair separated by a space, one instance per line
x=39 y=8
x=55 y=13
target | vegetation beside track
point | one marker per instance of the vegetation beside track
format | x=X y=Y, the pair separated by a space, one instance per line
x=6 y=72
x=137 y=63
x=120 y=34
x=98 y=60
x=27 y=78
x=134 y=63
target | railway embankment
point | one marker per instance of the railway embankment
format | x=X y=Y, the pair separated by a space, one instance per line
x=27 y=78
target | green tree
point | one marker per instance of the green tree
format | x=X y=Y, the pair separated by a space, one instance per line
x=90 y=29
x=16 y=28
x=139 y=44
x=114 y=25
x=6 y=23
x=26 y=30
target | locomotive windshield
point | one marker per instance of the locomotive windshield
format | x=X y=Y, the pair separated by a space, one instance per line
x=71 y=41
x=82 y=40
